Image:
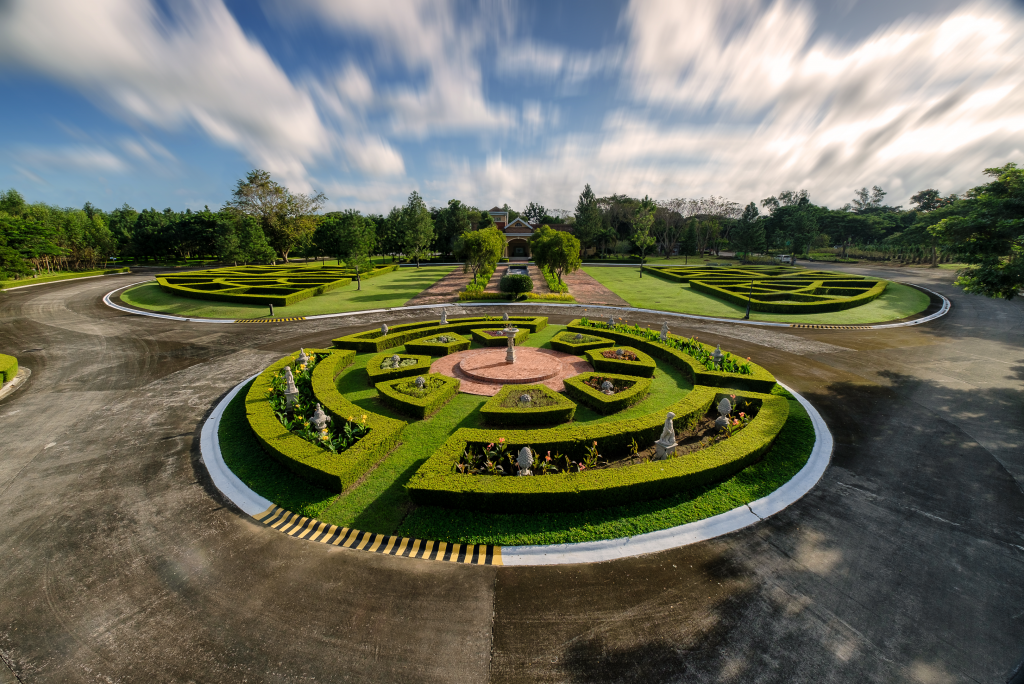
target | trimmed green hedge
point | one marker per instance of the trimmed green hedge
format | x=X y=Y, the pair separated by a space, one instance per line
x=603 y=403
x=375 y=374
x=643 y=367
x=488 y=341
x=563 y=342
x=8 y=368
x=760 y=381
x=477 y=296
x=493 y=412
x=815 y=302
x=319 y=466
x=374 y=341
x=418 y=407
x=436 y=484
x=422 y=346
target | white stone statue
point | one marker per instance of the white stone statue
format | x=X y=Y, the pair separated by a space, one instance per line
x=611 y=322
x=303 y=359
x=420 y=382
x=291 y=392
x=724 y=409
x=607 y=387
x=525 y=460
x=666 y=445
x=505 y=317
x=444 y=317
x=664 y=331
x=524 y=398
x=384 y=329
x=319 y=419
x=395 y=360
x=716 y=356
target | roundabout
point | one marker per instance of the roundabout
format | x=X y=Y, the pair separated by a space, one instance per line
x=485 y=371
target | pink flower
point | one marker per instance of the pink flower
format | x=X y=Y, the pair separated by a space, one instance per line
x=501 y=440
x=582 y=467
x=490 y=445
x=735 y=422
x=548 y=457
x=742 y=414
x=733 y=396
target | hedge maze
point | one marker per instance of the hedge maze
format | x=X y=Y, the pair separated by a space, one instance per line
x=621 y=420
x=275 y=285
x=779 y=289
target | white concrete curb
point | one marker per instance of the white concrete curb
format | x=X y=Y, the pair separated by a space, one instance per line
x=226 y=481
x=19 y=379
x=62 y=280
x=586 y=552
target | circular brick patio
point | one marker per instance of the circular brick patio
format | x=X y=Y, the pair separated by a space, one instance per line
x=484 y=371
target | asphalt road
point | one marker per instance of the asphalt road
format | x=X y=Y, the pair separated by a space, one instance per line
x=120 y=563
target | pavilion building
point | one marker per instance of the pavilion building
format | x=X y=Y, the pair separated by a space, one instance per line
x=518 y=232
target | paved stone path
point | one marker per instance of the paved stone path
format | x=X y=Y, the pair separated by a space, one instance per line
x=532 y=366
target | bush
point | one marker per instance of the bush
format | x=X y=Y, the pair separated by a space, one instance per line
x=644 y=365
x=578 y=390
x=552 y=281
x=374 y=341
x=515 y=283
x=375 y=373
x=436 y=393
x=483 y=338
x=436 y=483
x=8 y=368
x=425 y=345
x=566 y=342
x=504 y=409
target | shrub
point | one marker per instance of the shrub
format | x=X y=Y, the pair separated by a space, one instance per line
x=432 y=346
x=642 y=366
x=375 y=341
x=567 y=342
x=8 y=368
x=546 y=406
x=488 y=340
x=402 y=394
x=379 y=368
x=515 y=283
x=577 y=389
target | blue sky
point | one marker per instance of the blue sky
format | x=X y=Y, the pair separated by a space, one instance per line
x=170 y=103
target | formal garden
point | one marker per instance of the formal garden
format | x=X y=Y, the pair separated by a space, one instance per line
x=511 y=430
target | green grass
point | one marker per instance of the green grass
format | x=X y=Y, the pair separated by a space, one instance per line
x=5 y=284
x=899 y=301
x=380 y=502
x=390 y=290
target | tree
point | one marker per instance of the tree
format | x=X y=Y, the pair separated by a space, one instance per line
x=451 y=222
x=349 y=237
x=749 y=236
x=587 y=225
x=643 y=220
x=534 y=212
x=416 y=228
x=486 y=221
x=688 y=243
x=479 y=249
x=243 y=240
x=555 y=250
x=865 y=203
x=286 y=218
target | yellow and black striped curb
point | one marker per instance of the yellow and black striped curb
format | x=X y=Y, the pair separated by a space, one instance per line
x=831 y=327
x=311 y=529
x=270 y=320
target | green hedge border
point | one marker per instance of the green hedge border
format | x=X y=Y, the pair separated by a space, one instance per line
x=421 y=346
x=876 y=291
x=760 y=381
x=375 y=374
x=579 y=349
x=606 y=404
x=373 y=341
x=488 y=341
x=644 y=367
x=413 y=406
x=495 y=414
x=319 y=466
x=435 y=484
x=8 y=368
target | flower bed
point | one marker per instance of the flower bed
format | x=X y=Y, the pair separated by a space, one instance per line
x=438 y=345
x=406 y=396
x=578 y=343
x=494 y=337
x=627 y=391
x=8 y=368
x=623 y=360
x=383 y=367
x=544 y=406
x=376 y=341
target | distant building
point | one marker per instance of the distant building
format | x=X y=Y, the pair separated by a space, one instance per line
x=518 y=232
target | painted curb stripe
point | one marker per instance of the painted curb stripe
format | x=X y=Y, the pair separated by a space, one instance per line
x=311 y=529
x=270 y=320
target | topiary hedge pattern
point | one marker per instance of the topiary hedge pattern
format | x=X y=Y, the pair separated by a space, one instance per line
x=425 y=345
x=376 y=340
x=496 y=411
x=333 y=472
x=566 y=342
x=436 y=484
x=644 y=365
x=375 y=373
x=8 y=368
x=437 y=391
x=483 y=338
x=579 y=391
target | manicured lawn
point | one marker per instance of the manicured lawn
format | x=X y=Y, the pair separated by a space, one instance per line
x=899 y=301
x=380 y=502
x=70 y=275
x=392 y=289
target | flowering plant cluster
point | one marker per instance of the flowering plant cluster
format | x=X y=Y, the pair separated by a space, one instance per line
x=297 y=418
x=498 y=458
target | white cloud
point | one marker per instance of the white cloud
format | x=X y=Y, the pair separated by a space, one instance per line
x=77 y=157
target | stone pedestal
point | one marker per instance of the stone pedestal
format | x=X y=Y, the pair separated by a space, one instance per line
x=510 y=354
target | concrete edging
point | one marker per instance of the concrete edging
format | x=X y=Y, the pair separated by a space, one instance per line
x=264 y=511
x=19 y=379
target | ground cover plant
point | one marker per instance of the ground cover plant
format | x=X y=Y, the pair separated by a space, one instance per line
x=8 y=368
x=898 y=301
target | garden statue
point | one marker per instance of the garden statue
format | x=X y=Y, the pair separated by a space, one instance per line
x=384 y=329
x=395 y=360
x=303 y=359
x=611 y=322
x=444 y=317
x=291 y=392
x=724 y=409
x=607 y=387
x=578 y=338
x=420 y=382
x=716 y=356
x=319 y=419
x=505 y=317
x=664 y=331
x=524 y=461
x=620 y=353
x=524 y=398
x=666 y=445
